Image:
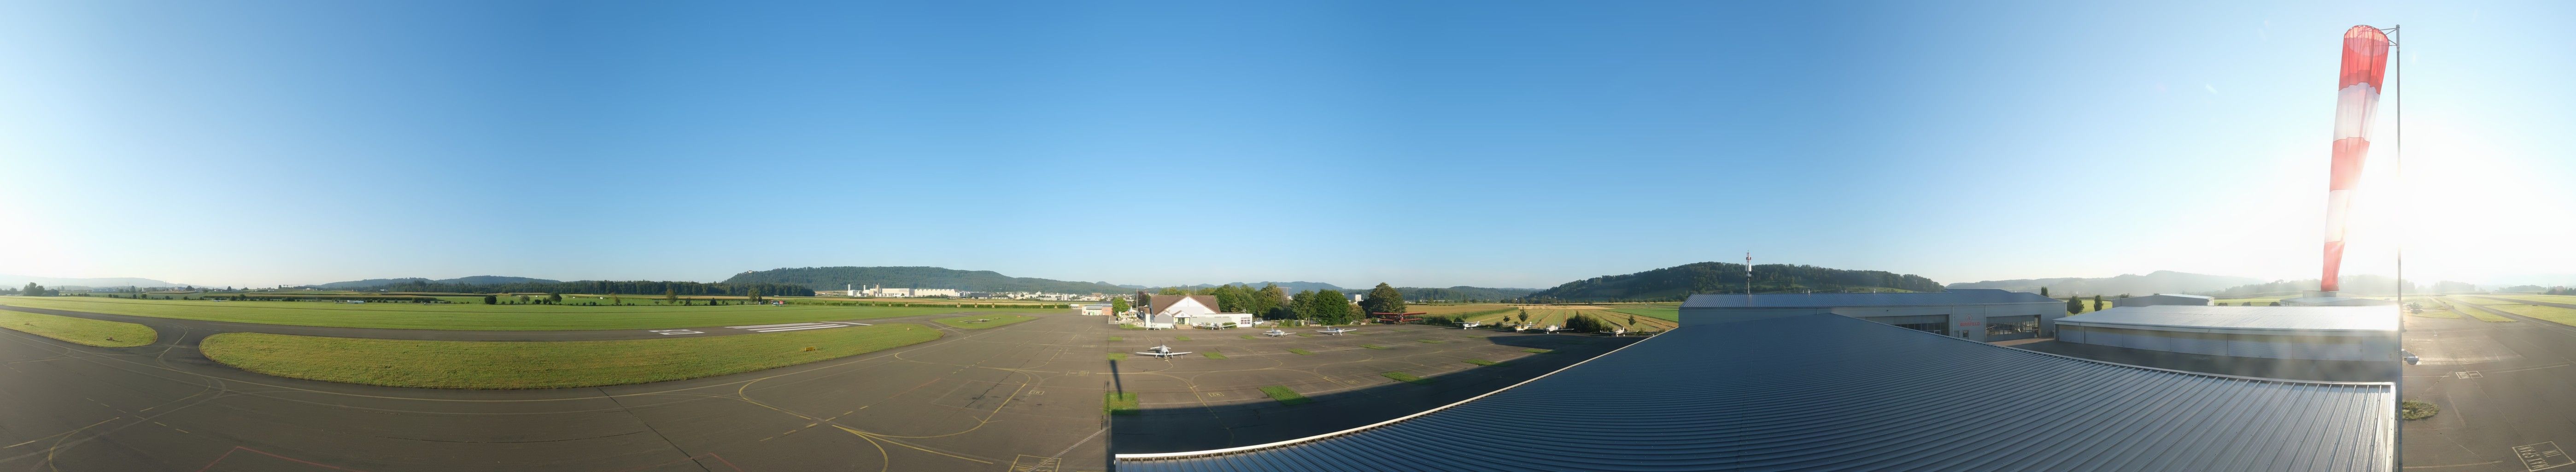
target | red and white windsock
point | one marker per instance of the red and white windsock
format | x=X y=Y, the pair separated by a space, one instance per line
x=2365 y=62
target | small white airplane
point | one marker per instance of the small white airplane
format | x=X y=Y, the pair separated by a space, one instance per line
x=1218 y=325
x=1274 y=333
x=1332 y=330
x=1520 y=327
x=1469 y=324
x=1161 y=351
x=1618 y=331
x=1551 y=329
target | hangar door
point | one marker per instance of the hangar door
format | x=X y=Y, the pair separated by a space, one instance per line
x=1935 y=324
x=2007 y=328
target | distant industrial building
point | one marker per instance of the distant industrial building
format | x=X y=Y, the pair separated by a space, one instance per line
x=1826 y=392
x=1096 y=309
x=1974 y=314
x=2325 y=333
x=2162 y=299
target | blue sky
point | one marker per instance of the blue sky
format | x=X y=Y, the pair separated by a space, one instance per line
x=1420 y=143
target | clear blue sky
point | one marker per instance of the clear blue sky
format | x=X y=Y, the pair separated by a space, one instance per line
x=1420 y=143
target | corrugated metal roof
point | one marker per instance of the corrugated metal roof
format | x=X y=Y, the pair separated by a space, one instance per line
x=1956 y=296
x=1827 y=392
x=2304 y=318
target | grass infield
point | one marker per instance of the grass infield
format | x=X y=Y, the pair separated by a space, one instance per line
x=1407 y=378
x=1121 y=403
x=997 y=321
x=1482 y=362
x=544 y=364
x=2416 y=410
x=1539 y=351
x=1184 y=338
x=1432 y=341
x=1117 y=356
x=1286 y=396
x=1373 y=346
x=82 y=331
x=1212 y=355
x=1117 y=338
x=461 y=316
x=1247 y=336
x=1300 y=352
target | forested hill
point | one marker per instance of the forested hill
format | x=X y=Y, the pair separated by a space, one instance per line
x=1674 y=283
x=629 y=287
x=1462 y=293
x=838 y=278
x=472 y=280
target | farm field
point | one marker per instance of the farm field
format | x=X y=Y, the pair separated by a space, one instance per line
x=544 y=364
x=469 y=317
x=82 y=331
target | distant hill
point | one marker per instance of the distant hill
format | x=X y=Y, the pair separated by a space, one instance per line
x=1291 y=287
x=14 y=281
x=1673 y=283
x=1463 y=293
x=2162 y=281
x=838 y=278
x=469 y=280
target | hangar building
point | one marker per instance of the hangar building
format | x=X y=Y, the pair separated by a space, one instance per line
x=1825 y=392
x=2162 y=299
x=2325 y=333
x=1982 y=314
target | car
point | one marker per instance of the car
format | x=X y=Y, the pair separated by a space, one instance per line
x=2410 y=357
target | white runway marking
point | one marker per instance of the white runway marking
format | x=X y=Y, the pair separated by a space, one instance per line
x=2541 y=455
x=2468 y=374
x=667 y=332
x=791 y=327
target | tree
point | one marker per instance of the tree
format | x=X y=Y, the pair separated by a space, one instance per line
x=1172 y=291
x=1632 y=320
x=1524 y=316
x=670 y=295
x=1383 y=299
x=491 y=300
x=552 y=298
x=2097 y=302
x=1117 y=305
x=755 y=294
x=1270 y=298
x=2074 y=305
x=2043 y=291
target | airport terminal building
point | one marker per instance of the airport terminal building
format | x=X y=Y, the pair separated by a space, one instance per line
x=2323 y=333
x=1973 y=314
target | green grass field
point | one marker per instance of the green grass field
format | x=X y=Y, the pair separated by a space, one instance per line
x=470 y=317
x=82 y=331
x=2473 y=312
x=1539 y=351
x=545 y=364
x=2486 y=301
x=962 y=322
x=1117 y=356
x=1212 y=355
x=1407 y=378
x=2565 y=299
x=1121 y=403
x=1482 y=362
x=1300 y=352
x=2565 y=316
x=1373 y=346
x=1285 y=396
x=2437 y=310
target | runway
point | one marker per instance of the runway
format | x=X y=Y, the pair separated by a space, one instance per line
x=1019 y=397
x=2507 y=391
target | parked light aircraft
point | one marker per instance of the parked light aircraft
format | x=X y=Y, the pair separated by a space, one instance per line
x=1161 y=351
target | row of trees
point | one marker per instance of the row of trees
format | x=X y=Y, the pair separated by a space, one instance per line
x=608 y=287
x=1271 y=302
x=33 y=290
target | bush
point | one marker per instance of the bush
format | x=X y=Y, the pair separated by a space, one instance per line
x=2416 y=410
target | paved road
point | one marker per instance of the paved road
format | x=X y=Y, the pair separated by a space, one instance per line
x=1024 y=396
x=472 y=335
x=2507 y=392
